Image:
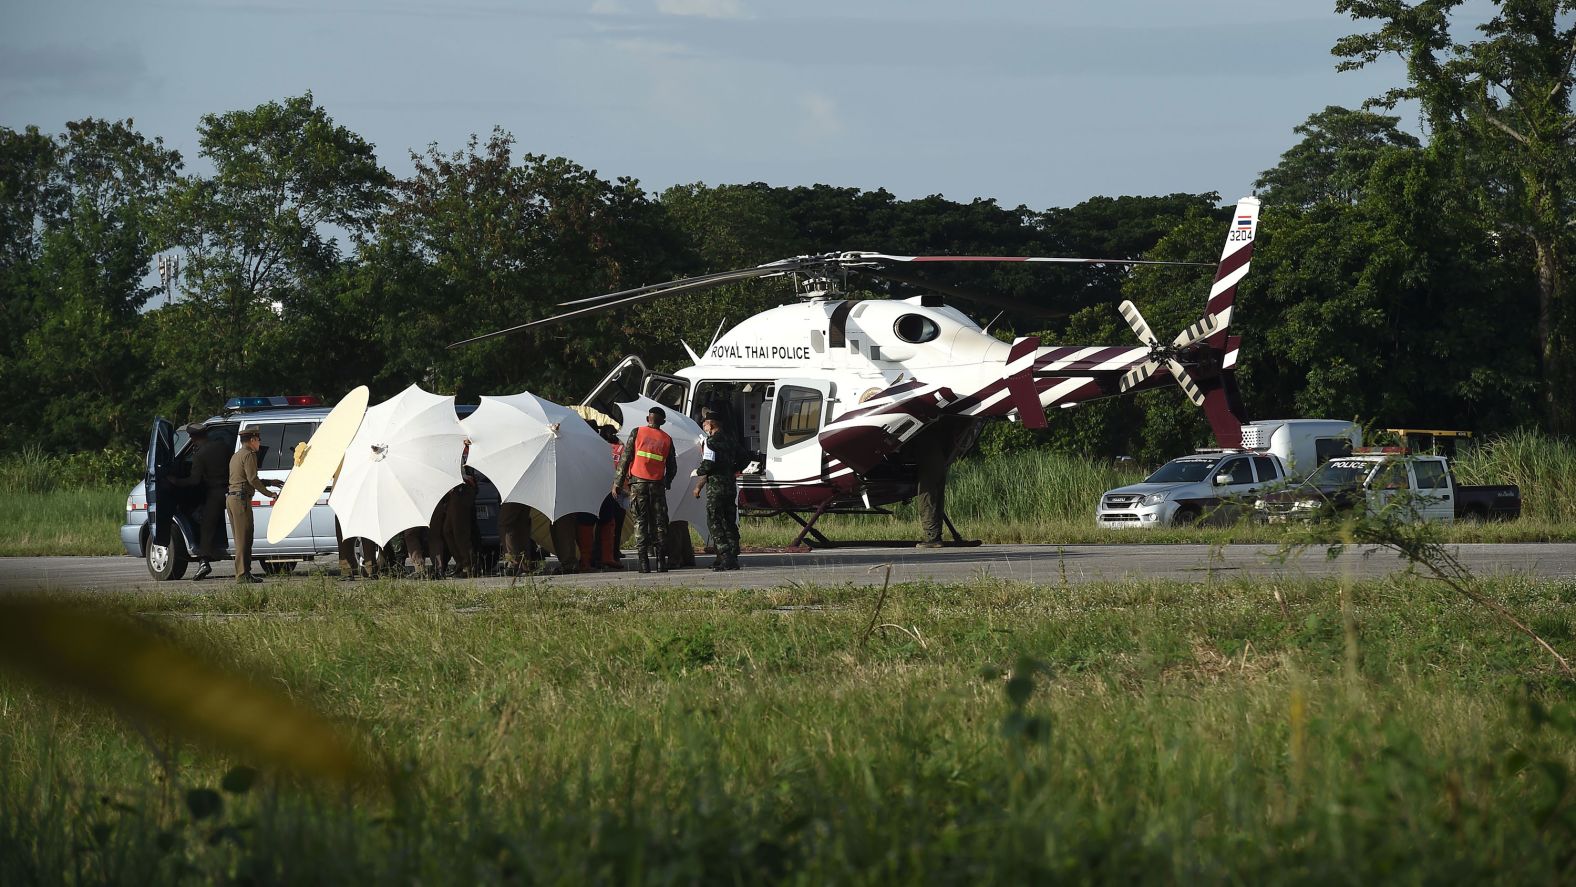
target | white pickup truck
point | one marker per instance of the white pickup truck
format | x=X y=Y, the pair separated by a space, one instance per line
x=1220 y=486
x=1423 y=485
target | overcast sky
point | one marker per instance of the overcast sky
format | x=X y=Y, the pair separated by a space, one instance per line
x=1038 y=103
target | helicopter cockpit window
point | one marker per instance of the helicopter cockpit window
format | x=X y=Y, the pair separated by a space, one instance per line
x=798 y=416
x=916 y=328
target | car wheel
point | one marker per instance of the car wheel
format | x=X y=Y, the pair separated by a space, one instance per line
x=1185 y=517
x=279 y=568
x=166 y=562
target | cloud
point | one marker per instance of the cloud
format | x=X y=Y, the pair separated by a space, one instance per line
x=114 y=71
x=821 y=120
x=608 y=7
x=702 y=8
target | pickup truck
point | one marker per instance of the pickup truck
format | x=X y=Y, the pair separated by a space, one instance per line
x=1376 y=478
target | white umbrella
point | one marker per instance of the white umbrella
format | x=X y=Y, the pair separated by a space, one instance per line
x=540 y=454
x=403 y=459
x=688 y=440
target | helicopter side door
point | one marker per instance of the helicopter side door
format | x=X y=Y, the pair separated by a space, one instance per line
x=799 y=409
x=622 y=385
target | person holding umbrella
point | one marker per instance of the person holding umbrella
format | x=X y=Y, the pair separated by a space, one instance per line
x=645 y=473
x=238 y=500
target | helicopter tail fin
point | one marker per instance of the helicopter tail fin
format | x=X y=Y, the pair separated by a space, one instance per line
x=1234 y=260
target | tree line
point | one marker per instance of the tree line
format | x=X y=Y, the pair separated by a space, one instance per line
x=1397 y=279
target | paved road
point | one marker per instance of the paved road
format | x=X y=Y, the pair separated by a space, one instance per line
x=1026 y=563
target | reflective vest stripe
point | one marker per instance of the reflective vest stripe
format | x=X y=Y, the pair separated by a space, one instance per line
x=652 y=449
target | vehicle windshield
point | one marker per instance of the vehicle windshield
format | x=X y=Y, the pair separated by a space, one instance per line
x=1340 y=473
x=1183 y=471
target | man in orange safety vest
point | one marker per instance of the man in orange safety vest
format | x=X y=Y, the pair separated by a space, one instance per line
x=645 y=472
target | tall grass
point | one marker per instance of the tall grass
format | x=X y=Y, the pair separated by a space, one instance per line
x=82 y=521
x=1542 y=465
x=986 y=733
x=31 y=470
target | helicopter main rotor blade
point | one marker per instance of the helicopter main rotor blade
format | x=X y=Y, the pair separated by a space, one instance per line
x=854 y=258
x=718 y=277
x=669 y=290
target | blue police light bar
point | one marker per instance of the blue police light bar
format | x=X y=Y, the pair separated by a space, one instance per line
x=258 y=403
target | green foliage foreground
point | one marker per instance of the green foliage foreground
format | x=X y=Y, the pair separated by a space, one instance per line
x=992 y=732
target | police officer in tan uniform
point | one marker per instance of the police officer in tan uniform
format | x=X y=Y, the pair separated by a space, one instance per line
x=238 y=500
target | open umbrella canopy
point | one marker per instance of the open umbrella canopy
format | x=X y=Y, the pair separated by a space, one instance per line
x=403 y=459
x=540 y=454
x=688 y=441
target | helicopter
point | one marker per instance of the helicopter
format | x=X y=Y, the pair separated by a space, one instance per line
x=842 y=400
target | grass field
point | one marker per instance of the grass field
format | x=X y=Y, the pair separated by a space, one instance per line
x=1021 y=497
x=83 y=521
x=986 y=733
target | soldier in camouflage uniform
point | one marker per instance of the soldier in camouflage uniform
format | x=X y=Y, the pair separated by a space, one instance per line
x=645 y=472
x=722 y=458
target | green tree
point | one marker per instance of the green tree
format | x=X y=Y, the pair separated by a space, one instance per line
x=476 y=241
x=1331 y=163
x=1504 y=101
x=79 y=241
x=259 y=234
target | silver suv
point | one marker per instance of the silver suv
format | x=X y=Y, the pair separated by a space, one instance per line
x=1210 y=486
x=283 y=422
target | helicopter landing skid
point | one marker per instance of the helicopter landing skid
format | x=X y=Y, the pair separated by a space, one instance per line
x=810 y=539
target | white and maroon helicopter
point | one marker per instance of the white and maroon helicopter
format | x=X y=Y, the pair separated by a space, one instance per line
x=842 y=400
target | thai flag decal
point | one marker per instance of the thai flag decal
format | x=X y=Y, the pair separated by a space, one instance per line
x=1244 y=222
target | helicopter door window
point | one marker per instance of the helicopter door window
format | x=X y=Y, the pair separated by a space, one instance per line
x=667 y=390
x=798 y=416
x=817 y=341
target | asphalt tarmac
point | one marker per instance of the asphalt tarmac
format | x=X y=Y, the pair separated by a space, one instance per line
x=1041 y=564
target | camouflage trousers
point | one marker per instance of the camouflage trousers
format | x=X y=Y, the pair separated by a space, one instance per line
x=722 y=517
x=648 y=500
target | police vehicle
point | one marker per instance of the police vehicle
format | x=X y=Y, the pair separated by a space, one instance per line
x=283 y=422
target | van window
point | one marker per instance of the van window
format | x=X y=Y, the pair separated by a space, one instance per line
x=279 y=442
x=798 y=416
x=1430 y=475
x=1266 y=469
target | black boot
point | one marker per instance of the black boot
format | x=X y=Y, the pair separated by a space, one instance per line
x=662 y=562
x=645 y=562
